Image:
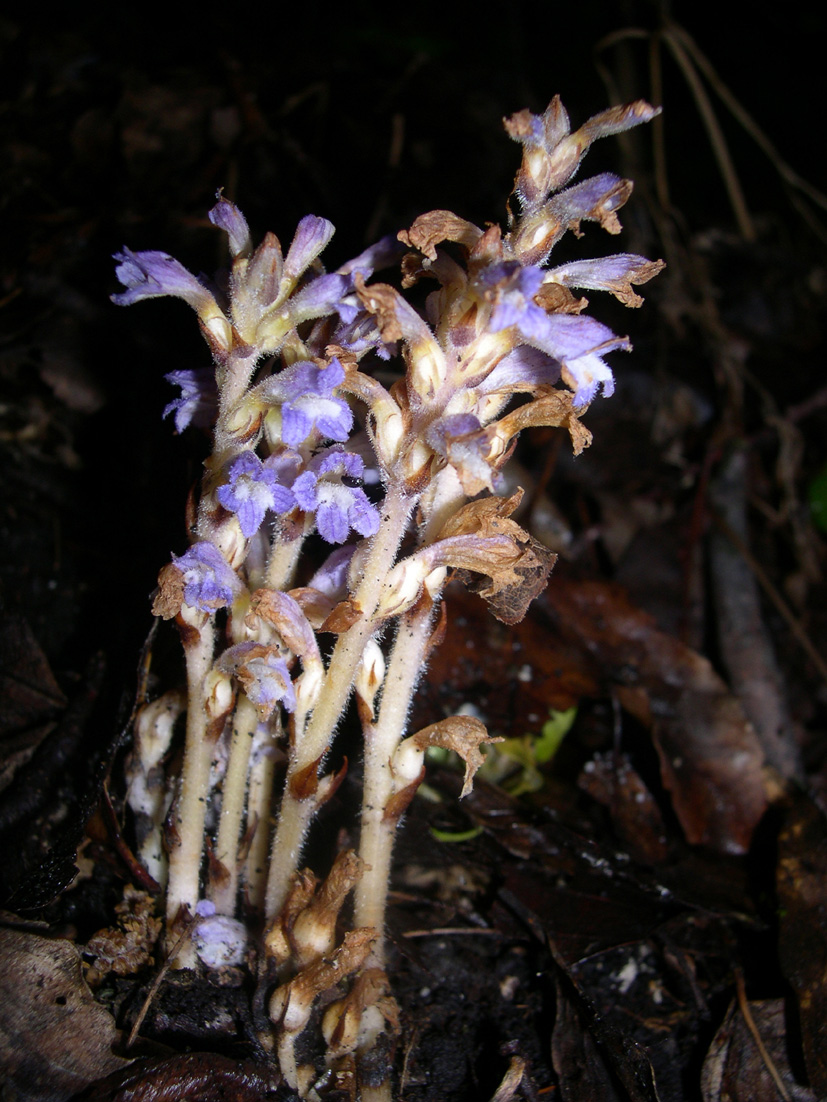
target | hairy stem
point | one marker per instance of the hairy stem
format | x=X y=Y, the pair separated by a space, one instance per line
x=378 y=830
x=245 y=721
x=312 y=744
x=191 y=806
x=260 y=810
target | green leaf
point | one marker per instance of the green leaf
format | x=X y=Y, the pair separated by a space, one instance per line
x=553 y=731
x=459 y=836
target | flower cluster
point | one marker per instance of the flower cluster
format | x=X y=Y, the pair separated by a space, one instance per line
x=308 y=438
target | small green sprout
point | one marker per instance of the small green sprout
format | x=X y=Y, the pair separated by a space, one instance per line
x=514 y=762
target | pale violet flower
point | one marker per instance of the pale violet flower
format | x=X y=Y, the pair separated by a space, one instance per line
x=209 y=582
x=218 y=939
x=155 y=274
x=263 y=674
x=308 y=402
x=229 y=218
x=251 y=491
x=198 y=404
x=327 y=489
x=310 y=239
x=577 y=342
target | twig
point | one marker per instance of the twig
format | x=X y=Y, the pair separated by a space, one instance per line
x=743 y=1006
x=156 y=983
x=450 y=931
x=773 y=595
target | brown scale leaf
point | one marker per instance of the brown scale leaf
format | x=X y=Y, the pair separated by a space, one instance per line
x=170 y=594
x=462 y=734
x=552 y=410
x=380 y=300
x=515 y=564
x=430 y=229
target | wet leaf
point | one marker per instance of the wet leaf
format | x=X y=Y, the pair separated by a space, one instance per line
x=195 y=1077
x=29 y=691
x=711 y=760
x=54 y=1038
x=802 y=900
x=612 y=780
x=734 y=1070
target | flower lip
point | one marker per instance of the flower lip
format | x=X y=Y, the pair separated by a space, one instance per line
x=308 y=402
x=251 y=491
x=263 y=674
x=210 y=582
x=326 y=488
x=198 y=404
x=155 y=274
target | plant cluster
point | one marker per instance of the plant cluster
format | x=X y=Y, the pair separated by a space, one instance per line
x=338 y=407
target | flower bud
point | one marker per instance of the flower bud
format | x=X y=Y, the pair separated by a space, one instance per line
x=370 y=674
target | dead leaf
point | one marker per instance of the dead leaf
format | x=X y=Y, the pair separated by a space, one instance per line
x=54 y=1038
x=711 y=760
x=734 y=1070
x=802 y=905
x=612 y=780
x=462 y=734
x=29 y=691
x=194 y=1077
x=430 y=229
x=484 y=541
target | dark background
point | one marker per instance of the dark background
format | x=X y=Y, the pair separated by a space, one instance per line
x=120 y=130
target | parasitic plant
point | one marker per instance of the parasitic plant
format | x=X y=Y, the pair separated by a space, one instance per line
x=337 y=407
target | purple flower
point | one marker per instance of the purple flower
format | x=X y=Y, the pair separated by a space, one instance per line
x=263 y=674
x=306 y=394
x=575 y=341
x=198 y=404
x=459 y=438
x=155 y=274
x=321 y=296
x=383 y=254
x=552 y=154
x=252 y=490
x=229 y=218
x=311 y=237
x=609 y=273
x=579 y=343
x=358 y=333
x=209 y=582
x=514 y=287
x=331 y=577
x=218 y=939
x=523 y=369
x=339 y=507
x=595 y=200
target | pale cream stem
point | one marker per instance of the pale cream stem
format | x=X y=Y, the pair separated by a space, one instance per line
x=407 y=660
x=260 y=810
x=377 y=831
x=191 y=806
x=282 y=563
x=312 y=744
x=245 y=721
